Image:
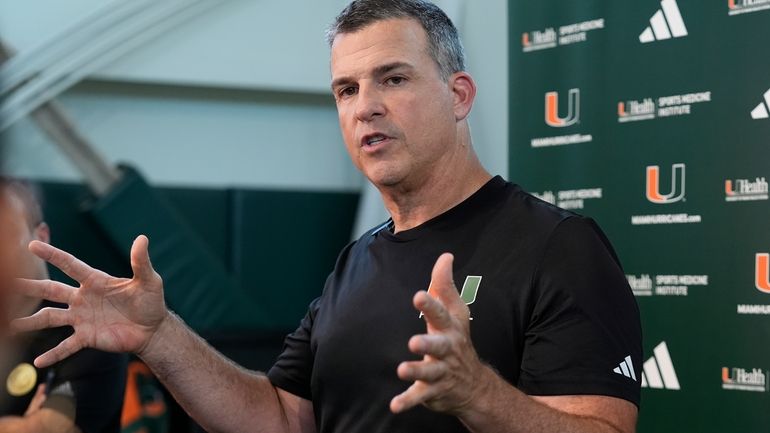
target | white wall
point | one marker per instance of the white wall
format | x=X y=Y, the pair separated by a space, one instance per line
x=485 y=34
x=271 y=141
x=273 y=126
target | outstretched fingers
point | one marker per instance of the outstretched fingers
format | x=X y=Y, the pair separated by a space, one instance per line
x=45 y=318
x=444 y=302
x=66 y=262
x=65 y=349
x=44 y=289
x=435 y=313
x=442 y=284
x=425 y=371
x=445 y=348
x=435 y=345
x=416 y=394
x=140 y=259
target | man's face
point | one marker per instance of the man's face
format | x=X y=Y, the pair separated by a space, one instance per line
x=6 y=265
x=24 y=263
x=396 y=113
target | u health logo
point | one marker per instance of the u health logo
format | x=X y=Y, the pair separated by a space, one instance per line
x=677 y=184
x=742 y=379
x=539 y=40
x=747 y=189
x=737 y=7
x=567 y=34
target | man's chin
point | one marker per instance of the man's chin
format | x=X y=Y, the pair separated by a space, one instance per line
x=386 y=180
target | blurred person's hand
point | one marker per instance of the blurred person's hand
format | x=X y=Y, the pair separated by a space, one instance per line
x=37 y=401
x=107 y=313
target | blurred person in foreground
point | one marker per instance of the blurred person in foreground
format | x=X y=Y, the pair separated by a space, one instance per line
x=81 y=394
x=6 y=265
x=544 y=337
x=6 y=253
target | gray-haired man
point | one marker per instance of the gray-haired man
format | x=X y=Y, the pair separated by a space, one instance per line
x=530 y=344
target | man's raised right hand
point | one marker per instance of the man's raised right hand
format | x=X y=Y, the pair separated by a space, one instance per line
x=107 y=313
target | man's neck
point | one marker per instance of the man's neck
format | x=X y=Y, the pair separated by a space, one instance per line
x=440 y=191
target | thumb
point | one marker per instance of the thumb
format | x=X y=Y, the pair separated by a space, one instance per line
x=140 y=259
x=37 y=401
x=442 y=285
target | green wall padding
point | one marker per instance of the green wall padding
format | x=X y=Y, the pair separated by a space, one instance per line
x=272 y=249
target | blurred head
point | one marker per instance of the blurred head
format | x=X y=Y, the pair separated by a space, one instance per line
x=6 y=267
x=24 y=218
x=401 y=91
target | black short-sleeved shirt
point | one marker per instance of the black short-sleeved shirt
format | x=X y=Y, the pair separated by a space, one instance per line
x=95 y=381
x=553 y=312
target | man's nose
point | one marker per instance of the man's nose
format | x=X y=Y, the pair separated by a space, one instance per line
x=369 y=103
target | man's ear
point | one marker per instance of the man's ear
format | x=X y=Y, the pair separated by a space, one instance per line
x=43 y=233
x=464 y=90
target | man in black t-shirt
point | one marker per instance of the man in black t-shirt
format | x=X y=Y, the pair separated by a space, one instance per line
x=536 y=317
x=530 y=326
x=83 y=393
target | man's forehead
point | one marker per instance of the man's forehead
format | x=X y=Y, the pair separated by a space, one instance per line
x=384 y=29
x=386 y=41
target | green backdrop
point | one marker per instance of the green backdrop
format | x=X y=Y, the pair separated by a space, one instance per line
x=276 y=248
x=651 y=117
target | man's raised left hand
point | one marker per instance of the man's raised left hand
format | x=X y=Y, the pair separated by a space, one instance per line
x=450 y=375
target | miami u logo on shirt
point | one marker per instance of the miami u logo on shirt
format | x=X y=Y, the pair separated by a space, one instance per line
x=469 y=291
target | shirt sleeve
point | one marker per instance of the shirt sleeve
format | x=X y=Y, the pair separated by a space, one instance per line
x=293 y=368
x=585 y=325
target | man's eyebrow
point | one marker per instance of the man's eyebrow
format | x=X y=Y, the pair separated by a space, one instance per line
x=384 y=69
x=377 y=72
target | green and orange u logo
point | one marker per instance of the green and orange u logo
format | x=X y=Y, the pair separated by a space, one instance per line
x=469 y=291
x=762 y=272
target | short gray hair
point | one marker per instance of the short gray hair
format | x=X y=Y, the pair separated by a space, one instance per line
x=444 y=44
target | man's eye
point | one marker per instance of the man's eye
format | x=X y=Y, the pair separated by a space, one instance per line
x=395 y=80
x=348 y=91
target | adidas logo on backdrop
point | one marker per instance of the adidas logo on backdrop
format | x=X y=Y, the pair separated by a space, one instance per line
x=659 y=371
x=665 y=24
x=761 y=110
